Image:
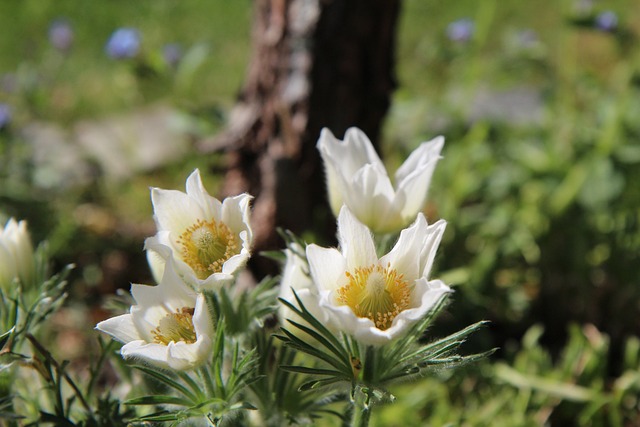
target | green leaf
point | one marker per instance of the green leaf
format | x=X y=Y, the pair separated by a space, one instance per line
x=158 y=400
x=567 y=391
x=312 y=371
x=165 y=379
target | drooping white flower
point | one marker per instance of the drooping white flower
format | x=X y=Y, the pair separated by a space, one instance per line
x=16 y=254
x=356 y=177
x=170 y=326
x=377 y=300
x=295 y=277
x=210 y=240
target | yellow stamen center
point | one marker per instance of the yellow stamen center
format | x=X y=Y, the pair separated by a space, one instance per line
x=377 y=293
x=176 y=327
x=206 y=246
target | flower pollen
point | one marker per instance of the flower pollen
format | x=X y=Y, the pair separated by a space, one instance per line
x=206 y=246
x=377 y=293
x=176 y=327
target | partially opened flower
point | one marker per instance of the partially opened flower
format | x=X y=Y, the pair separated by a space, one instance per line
x=16 y=254
x=296 y=277
x=210 y=240
x=357 y=178
x=170 y=326
x=377 y=300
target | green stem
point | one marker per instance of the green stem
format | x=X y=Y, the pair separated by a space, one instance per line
x=362 y=408
x=208 y=381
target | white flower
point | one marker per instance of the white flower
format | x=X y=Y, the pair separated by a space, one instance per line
x=295 y=277
x=16 y=254
x=377 y=300
x=210 y=240
x=170 y=326
x=357 y=178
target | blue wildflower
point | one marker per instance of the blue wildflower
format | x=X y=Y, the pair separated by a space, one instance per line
x=172 y=54
x=461 y=30
x=61 y=35
x=124 y=43
x=5 y=115
x=607 y=21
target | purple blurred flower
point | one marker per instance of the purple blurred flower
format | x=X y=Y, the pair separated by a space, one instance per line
x=61 y=35
x=607 y=21
x=5 y=115
x=527 y=38
x=172 y=54
x=123 y=43
x=460 y=30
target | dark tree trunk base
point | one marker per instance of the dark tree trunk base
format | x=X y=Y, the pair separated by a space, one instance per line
x=315 y=64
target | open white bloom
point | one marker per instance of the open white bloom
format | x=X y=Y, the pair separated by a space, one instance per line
x=377 y=300
x=356 y=177
x=169 y=327
x=210 y=240
x=295 y=277
x=16 y=254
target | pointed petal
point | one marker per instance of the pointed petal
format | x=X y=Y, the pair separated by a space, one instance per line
x=327 y=267
x=235 y=214
x=427 y=255
x=419 y=157
x=157 y=354
x=356 y=242
x=211 y=207
x=413 y=181
x=121 y=328
x=174 y=210
x=405 y=255
x=183 y=356
x=425 y=296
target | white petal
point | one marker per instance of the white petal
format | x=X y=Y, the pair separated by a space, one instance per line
x=370 y=196
x=425 y=296
x=121 y=328
x=434 y=236
x=174 y=210
x=420 y=156
x=341 y=317
x=196 y=191
x=413 y=180
x=183 y=356
x=356 y=242
x=214 y=282
x=405 y=255
x=327 y=267
x=156 y=354
x=235 y=214
x=361 y=149
x=156 y=264
x=235 y=263
x=202 y=321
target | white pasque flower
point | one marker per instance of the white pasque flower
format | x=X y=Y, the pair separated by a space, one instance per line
x=210 y=240
x=170 y=326
x=16 y=253
x=357 y=178
x=295 y=277
x=377 y=300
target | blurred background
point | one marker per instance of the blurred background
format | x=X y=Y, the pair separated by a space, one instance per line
x=539 y=103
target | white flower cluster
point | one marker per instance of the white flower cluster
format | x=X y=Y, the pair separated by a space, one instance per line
x=351 y=290
x=200 y=245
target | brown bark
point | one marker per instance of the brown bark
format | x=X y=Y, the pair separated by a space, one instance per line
x=315 y=64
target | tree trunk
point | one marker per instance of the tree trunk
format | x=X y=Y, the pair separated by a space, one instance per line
x=315 y=64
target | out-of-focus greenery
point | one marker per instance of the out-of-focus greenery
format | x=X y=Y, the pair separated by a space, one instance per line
x=540 y=181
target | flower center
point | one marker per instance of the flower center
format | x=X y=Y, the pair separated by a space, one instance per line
x=377 y=293
x=175 y=327
x=206 y=246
